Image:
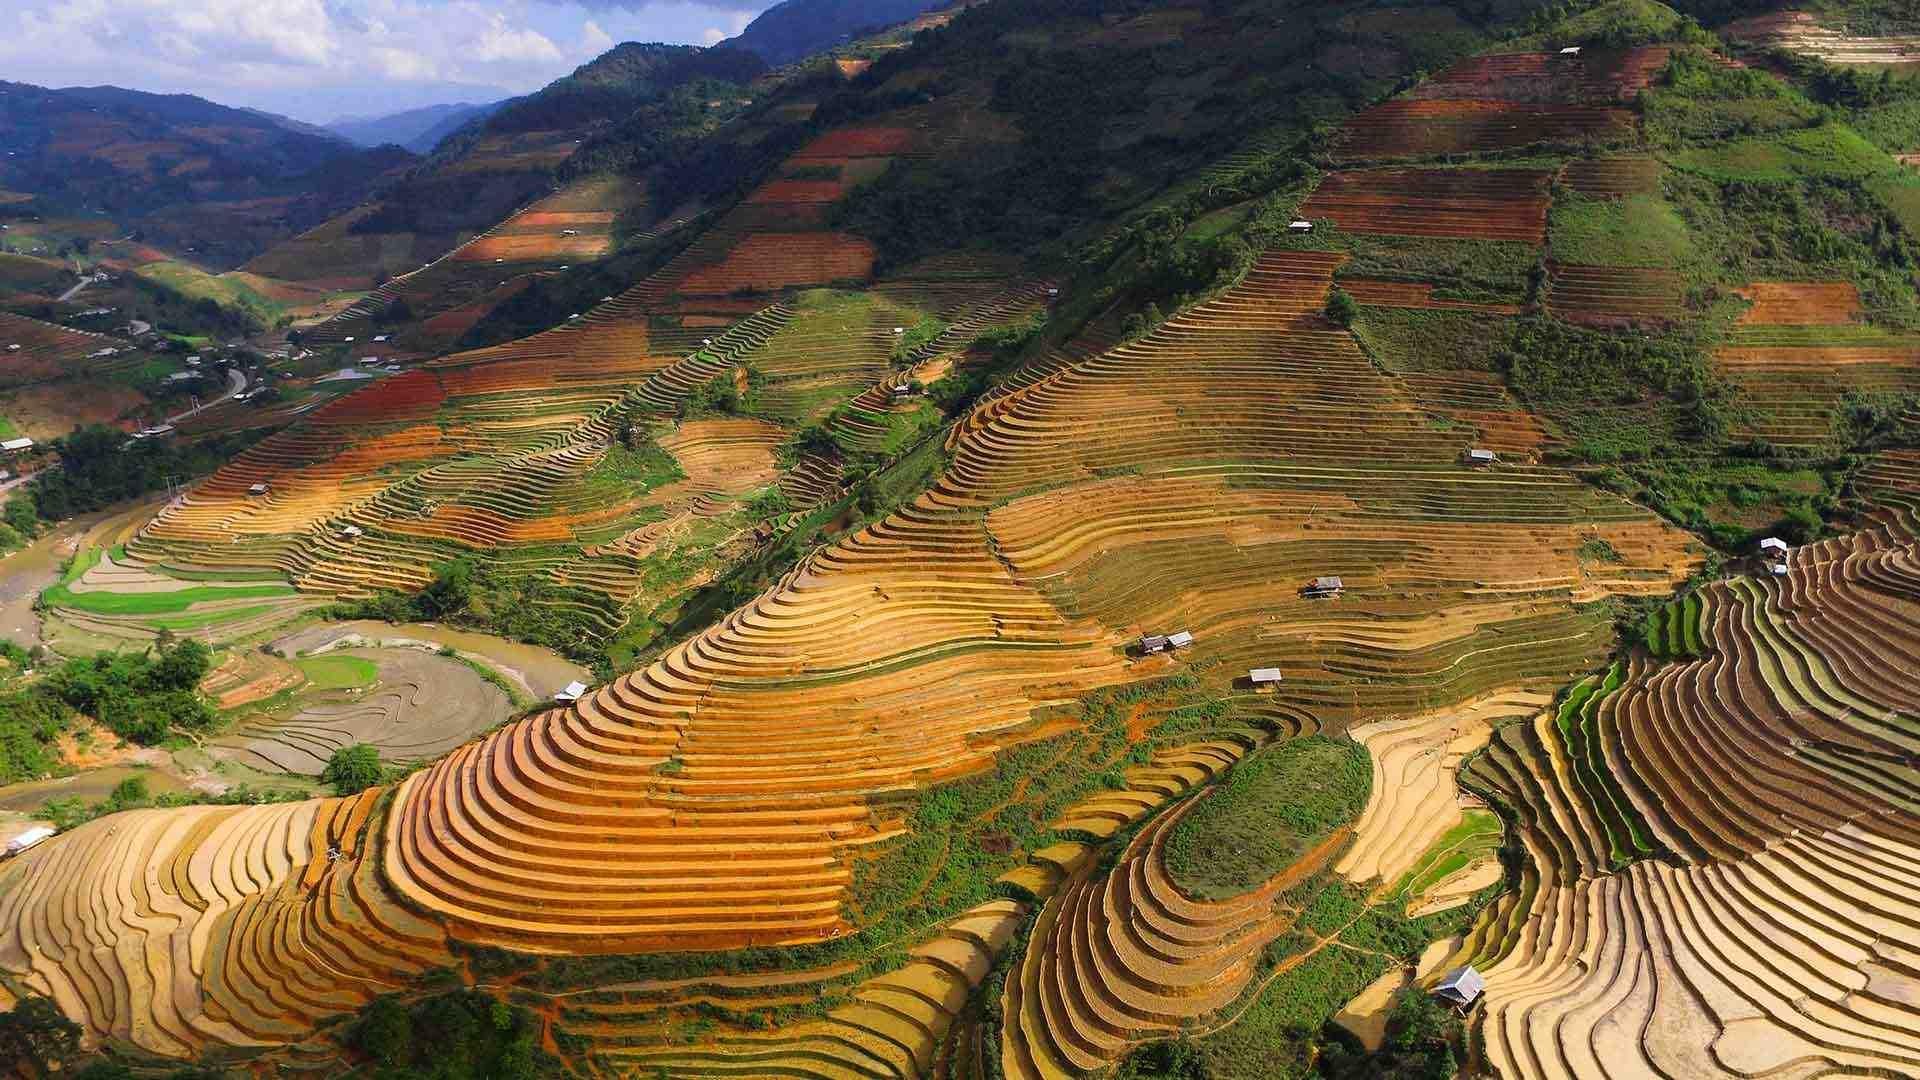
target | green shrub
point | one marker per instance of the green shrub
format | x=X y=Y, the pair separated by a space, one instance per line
x=353 y=769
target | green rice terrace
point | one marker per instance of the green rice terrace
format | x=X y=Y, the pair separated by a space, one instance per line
x=1191 y=541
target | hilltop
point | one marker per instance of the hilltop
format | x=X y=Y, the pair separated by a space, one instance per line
x=185 y=172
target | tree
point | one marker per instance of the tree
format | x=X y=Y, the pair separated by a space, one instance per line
x=450 y=590
x=180 y=664
x=36 y=1038
x=385 y=1031
x=1341 y=307
x=353 y=769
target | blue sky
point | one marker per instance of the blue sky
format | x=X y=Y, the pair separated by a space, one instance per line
x=318 y=60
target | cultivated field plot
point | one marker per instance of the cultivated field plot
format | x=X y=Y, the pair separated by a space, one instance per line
x=1800 y=349
x=47 y=351
x=1614 y=295
x=1782 y=932
x=777 y=238
x=1469 y=204
x=111 y=596
x=455 y=289
x=1612 y=177
x=914 y=1020
x=1591 y=75
x=1412 y=128
x=252 y=924
x=417 y=707
x=1801 y=32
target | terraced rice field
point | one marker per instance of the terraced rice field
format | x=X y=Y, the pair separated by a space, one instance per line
x=914 y=1020
x=1413 y=128
x=247 y=924
x=48 y=351
x=1614 y=295
x=455 y=289
x=1591 y=75
x=1261 y=448
x=419 y=707
x=1612 y=177
x=1719 y=852
x=1801 y=32
x=1471 y=204
x=1800 y=349
x=1780 y=935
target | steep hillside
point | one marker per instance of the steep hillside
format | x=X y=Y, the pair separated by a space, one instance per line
x=794 y=29
x=491 y=168
x=1050 y=617
x=185 y=171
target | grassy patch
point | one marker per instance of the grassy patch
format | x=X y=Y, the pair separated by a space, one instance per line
x=338 y=672
x=1478 y=836
x=1828 y=151
x=1697 y=97
x=1900 y=194
x=1620 y=397
x=1734 y=502
x=155 y=603
x=1271 y=809
x=1640 y=230
x=1672 y=630
x=1411 y=339
x=1485 y=271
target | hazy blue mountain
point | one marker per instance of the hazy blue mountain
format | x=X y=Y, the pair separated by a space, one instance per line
x=419 y=130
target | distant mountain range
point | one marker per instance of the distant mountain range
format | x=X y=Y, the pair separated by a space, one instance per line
x=184 y=171
x=418 y=130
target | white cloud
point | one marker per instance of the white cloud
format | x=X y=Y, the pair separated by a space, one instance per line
x=501 y=42
x=320 y=58
x=593 y=40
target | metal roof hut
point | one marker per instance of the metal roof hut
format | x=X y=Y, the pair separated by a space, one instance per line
x=1153 y=643
x=571 y=692
x=1325 y=586
x=257 y=489
x=1264 y=676
x=1774 y=545
x=1461 y=988
x=1179 y=639
x=1479 y=456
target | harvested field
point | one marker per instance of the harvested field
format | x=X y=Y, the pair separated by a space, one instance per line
x=1801 y=32
x=256 y=930
x=1406 y=294
x=1416 y=799
x=49 y=352
x=1471 y=204
x=1408 y=127
x=419 y=707
x=929 y=991
x=1593 y=75
x=1614 y=295
x=48 y=411
x=1800 y=350
x=1612 y=177
x=1793 y=303
x=1125 y=958
x=1791 y=715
